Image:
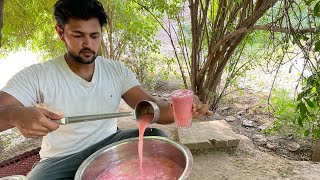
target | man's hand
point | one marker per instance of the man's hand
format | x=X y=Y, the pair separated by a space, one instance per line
x=32 y=121
x=199 y=109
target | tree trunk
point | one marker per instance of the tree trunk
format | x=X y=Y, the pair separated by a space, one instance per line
x=224 y=32
x=110 y=40
x=1 y=19
x=109 y=44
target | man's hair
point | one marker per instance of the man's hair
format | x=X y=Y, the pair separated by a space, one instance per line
x=78 y=9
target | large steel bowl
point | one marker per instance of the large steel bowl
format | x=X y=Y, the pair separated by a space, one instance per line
x=124 y=150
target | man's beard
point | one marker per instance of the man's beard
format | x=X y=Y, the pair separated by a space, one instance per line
x=80 y=59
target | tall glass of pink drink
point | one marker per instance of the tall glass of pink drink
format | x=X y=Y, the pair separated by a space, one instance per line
x=182 y=100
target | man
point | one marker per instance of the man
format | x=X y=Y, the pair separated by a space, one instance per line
x=76 y=83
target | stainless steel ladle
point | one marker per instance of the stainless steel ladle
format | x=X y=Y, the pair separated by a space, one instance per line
x=143 y=107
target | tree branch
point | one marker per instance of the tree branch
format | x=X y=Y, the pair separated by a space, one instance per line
x=246 y=30
x=153 y=15
x=1 y=20
x=283 y=29
x=218 y=44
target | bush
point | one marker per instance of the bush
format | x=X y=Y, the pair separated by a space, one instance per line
x=284 y=111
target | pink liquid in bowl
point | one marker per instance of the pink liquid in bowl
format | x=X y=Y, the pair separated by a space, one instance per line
x=154 y=168
x=144 y=168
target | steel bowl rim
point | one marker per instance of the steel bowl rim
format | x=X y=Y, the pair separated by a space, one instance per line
x=186 y=152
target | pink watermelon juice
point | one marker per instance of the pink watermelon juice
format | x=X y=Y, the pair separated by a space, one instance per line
x=182 y=101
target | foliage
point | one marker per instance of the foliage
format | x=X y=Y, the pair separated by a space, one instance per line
x=174 y=26
x=149 y=71
x=308 y=98
x=131 y=31
x=315 y=5
x=144 y=70
x=30 y=24
x=285 y=114
x=308 y=106
x=130 y=36
x=316 y=11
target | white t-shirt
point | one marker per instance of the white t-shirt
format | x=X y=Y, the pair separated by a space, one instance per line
x=54 y=84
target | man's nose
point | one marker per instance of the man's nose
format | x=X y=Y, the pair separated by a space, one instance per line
x=87 y=41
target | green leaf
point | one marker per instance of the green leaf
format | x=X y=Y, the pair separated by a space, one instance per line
x=317 y=45
x=300 y=95
x=306 y=133
x=308 y=2
x=309 y=102
x=317 y=9
x=300 y=122
x=302 y=108
x=314 y=90
x=316 y=133
x=304 y=37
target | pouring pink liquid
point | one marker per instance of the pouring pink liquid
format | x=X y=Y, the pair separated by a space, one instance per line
x=182 y=101
x=143 y=121
x=154 y=167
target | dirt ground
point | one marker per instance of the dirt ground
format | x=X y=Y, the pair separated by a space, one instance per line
x=248 y=161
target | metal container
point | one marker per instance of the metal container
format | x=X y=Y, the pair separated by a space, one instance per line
x=147 y=107
x=124 y=150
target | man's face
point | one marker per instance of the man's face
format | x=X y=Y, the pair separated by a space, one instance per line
x=82 y=38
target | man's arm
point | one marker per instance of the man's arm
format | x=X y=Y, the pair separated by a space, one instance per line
x=6 y=101
x=31 y=121
x=136 y=94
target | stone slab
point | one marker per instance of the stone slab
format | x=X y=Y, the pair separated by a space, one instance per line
x=209 y=134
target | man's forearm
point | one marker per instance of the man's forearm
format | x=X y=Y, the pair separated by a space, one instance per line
x=4 y=119
x=166 y=115
x=8 y=106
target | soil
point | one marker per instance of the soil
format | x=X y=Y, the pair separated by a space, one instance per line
x=251 y=106
x=252 y=159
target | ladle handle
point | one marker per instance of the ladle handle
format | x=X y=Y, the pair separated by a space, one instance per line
x=76 y=119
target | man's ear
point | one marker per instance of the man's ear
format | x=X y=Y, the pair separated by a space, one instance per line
x=60 y=33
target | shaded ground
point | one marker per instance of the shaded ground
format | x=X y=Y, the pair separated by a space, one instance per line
x=251 y=106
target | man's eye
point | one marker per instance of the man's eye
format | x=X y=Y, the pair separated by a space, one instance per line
x=95 y=37
x=76 y=36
